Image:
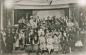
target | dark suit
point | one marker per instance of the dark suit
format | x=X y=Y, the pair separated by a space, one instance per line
x=2 y=44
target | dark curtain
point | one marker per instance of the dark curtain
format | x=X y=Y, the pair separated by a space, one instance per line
x=66 y=12
x=19 y=13
x=77 y=15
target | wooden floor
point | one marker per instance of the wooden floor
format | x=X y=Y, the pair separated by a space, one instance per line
x=23 y=53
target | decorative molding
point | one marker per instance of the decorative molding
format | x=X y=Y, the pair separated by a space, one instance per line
x=41 y=6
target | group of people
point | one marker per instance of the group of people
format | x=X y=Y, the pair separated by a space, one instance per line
x=50 y=34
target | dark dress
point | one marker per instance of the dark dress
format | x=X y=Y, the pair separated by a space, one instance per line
x=29 y=46
x=64 y=45
x=35 y=45
x=9 y=43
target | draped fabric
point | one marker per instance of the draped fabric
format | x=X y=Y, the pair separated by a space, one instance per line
x=77 y=15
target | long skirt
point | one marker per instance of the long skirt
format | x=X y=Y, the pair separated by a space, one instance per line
x=43 y=46
x=50 y=46
x=16 y=44
x=35 y=47
x=28 y=48
x=56 y=47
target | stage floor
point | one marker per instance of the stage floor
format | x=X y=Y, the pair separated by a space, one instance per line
x=23 y=53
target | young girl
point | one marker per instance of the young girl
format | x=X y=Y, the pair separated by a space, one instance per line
x=21 y=39
x=50 y=42
x=56 y=43
x=16 y=44
x=42 y=42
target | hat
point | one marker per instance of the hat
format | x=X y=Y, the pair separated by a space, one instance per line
x=31 y=16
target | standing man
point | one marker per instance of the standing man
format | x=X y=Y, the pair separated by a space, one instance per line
x=9 y=42
x=2 y=42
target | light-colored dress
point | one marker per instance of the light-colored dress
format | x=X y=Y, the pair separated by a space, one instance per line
x=42 y=42
x=56 y=43
x=17 y=43
x=50 y=42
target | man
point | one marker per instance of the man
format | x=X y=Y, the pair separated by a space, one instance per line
x=3 y=44
x=9 y=42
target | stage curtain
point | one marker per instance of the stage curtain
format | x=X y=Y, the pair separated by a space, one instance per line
x=77 y=15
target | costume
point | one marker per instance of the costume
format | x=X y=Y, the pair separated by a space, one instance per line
x=9 y=43
x=50 y=42
x=56 y=43
x=42 y=42
x=21 y=39
x=35 y=42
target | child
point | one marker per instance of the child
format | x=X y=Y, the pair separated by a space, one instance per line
x=56 y=43
x=42 y=42
x=50 y=42
x=21 y=39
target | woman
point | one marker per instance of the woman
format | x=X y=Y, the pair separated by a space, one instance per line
x=56 y=43
x=21 y=39
x=36 y=43
x=28 y=47
x=16 y=44
x=47 y=33
x=50 y=42
x=42 y=42
x=70 y=24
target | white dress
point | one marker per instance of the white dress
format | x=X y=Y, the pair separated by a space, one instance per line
x=17 y=43
x=42 y=42
x=50 y=42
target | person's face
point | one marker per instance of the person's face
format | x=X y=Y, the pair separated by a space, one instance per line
x=35 y=36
